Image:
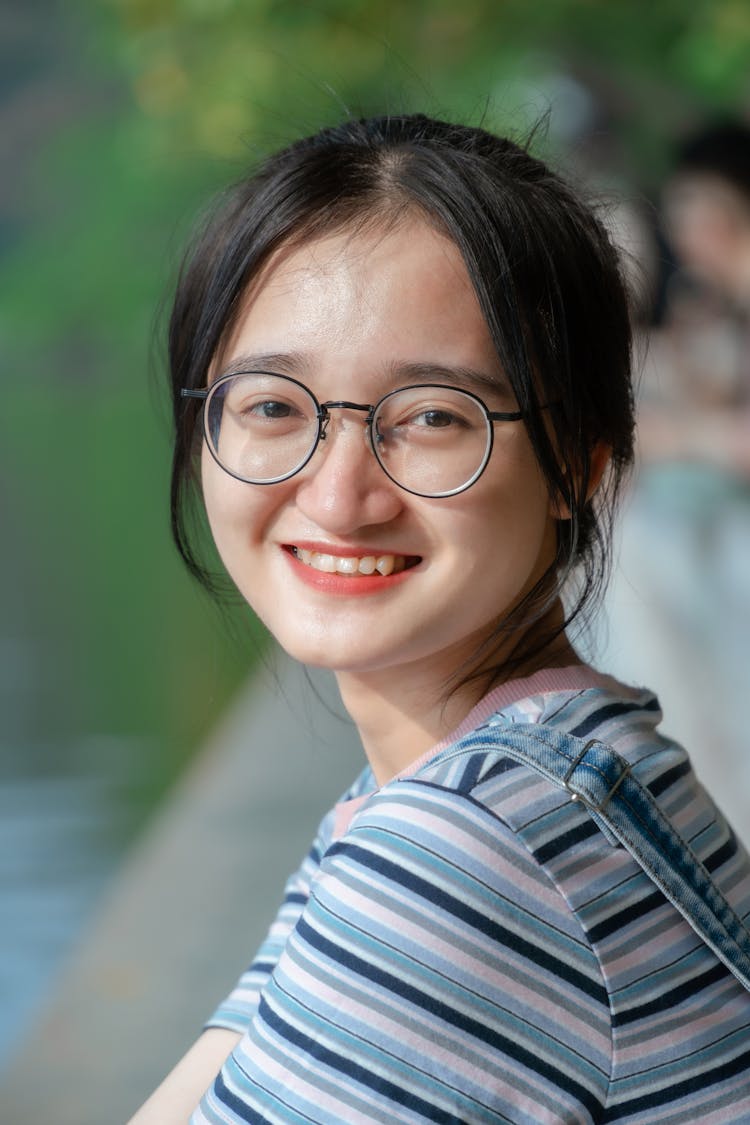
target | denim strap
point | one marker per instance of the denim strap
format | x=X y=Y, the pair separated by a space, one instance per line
x=596 y=775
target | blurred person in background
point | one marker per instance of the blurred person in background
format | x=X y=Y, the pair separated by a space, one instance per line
x=679 y=605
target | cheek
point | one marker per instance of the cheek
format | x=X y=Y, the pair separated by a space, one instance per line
x=217 y=495
x=236 y=511
x=520 y=535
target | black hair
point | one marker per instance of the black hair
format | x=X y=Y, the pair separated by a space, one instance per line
x=544 y=269
x=720 y=149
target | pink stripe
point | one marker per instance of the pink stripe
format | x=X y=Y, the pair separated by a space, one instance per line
x=577 y=677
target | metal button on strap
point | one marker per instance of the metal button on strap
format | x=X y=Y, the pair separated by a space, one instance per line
x=577 y=794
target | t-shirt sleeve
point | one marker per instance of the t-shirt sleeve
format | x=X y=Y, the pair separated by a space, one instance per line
x=434 y=973
x=236 y=1011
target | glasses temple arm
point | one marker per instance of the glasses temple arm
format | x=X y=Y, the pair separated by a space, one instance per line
x=505 y=415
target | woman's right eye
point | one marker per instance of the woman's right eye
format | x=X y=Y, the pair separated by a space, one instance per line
x=267 y=410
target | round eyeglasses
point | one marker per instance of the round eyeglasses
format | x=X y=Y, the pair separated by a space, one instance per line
x=431 y=440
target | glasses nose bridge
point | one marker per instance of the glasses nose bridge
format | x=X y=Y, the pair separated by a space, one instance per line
x=324 y=414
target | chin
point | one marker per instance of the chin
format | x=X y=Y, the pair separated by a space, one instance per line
x=325 y=653
x=316 y=652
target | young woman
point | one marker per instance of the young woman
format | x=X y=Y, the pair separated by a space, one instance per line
x=400 y=369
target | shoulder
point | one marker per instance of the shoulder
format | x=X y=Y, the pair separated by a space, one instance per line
x=425 y=857
x=484 y=767
x=476 y=820
x=475 y=801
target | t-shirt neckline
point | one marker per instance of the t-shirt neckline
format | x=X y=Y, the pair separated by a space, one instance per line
x=573 y=677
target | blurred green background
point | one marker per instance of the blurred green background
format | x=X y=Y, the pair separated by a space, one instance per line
x=120 y=119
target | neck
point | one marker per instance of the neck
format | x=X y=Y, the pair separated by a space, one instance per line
x=398 y=723
x=401 y=713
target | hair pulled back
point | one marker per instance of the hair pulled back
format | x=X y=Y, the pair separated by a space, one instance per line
x=545 y=272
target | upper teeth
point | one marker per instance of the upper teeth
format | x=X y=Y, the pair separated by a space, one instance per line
x=351 y=564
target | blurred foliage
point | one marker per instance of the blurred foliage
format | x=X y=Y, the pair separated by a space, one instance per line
x=179 y=95
x=217 y=71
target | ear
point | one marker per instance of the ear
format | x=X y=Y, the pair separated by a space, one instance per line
x=600 y=457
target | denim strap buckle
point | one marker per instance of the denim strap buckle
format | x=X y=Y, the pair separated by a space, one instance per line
x=587 y=794
x=626 y=811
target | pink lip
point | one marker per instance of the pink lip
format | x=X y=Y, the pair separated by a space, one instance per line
x=342 y=584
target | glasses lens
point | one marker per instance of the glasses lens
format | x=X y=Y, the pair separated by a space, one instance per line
x=260 y=428
x=432 y=440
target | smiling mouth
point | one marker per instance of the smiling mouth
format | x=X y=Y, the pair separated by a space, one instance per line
x=354 y=565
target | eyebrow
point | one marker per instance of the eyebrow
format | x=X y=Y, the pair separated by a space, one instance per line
x=465 y=377
x=281 y=363
x=295 y=363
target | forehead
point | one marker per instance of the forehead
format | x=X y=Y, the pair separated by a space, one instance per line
x=369 y=297
x=365 y=264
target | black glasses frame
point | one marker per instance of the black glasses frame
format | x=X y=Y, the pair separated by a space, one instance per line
x=323 y=409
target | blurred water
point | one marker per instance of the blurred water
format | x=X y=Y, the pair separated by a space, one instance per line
x=57 y=850
x=64 y=820
x=48 y=879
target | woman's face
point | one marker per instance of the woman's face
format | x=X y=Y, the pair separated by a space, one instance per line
x=353 y=316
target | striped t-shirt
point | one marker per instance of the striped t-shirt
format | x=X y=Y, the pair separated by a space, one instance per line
x=463 y=945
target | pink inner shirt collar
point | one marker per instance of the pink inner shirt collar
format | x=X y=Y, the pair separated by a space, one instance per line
x=576 y=677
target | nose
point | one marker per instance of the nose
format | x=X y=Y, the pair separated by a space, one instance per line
x=343 y=488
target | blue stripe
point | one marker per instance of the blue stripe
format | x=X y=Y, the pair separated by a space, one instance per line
x=437 y=897
x=722 y=855
x=566 y=840
x=504 y=765
x=671 y=998
x=670 y=777
x=243 y=1111
x=674 y=1091
x=438 y=1009
x=471 y=772
x=678 y=1067
x=343 y=1065
x=610 y=711
x=623 y=918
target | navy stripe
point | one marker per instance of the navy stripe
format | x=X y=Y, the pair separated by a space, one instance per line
x=243 y=1111
x=437 y=897
x=670 y=777
x=503 y=765
x=262 y=965
x=675 y=1010
x=722 y=855
x=567 y=840
x=409 y=992
x=611 y=711
x=673 y=1091
x=470 y=775
x=671 y=998
x=622 y=918
x=343 y=1065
